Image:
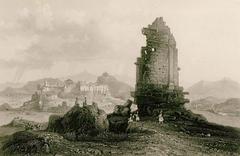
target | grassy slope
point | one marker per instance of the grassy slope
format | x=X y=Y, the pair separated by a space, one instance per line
x=148 y=138
x=6 y=131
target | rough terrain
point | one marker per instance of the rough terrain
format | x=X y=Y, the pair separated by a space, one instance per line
x=144 y=138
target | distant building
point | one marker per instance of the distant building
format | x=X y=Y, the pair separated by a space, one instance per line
x=68 y=85
x=81 y=87
x=49 y=94
x=93 y=88
x=50 y=87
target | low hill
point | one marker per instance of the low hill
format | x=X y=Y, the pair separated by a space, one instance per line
x=225 y=88
x=5 y=107
x=230 y=106
x=117 y=88
x=205 y=104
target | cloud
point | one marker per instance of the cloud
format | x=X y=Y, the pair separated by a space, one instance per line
x=70 y=38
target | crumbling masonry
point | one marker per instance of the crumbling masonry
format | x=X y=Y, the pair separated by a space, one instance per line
x=158 y=63
x=157 y=78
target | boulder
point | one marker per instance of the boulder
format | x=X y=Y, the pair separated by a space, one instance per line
x=123 y=110
x=100 y=115
x=79 y=120
x=87 y=120
x=117 y=124
x=118 y=120
x=102 y=123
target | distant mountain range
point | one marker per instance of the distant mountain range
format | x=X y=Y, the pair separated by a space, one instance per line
x=222 y=89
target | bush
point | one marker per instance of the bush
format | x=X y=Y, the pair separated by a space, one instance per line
x=78 y=120
x=24 y=142
x=54 y=124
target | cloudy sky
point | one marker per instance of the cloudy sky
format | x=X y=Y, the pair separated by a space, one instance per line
x=42 y=38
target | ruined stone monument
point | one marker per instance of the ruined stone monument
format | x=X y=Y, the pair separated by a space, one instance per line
x=158 y=63
x=157 y=79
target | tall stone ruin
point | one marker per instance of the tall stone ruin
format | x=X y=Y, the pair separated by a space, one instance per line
x=157 y=78
x=158 y=63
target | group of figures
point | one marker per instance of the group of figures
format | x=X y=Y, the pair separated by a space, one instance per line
x=135 y=117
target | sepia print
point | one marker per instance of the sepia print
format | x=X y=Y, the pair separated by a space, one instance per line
x=119 y=77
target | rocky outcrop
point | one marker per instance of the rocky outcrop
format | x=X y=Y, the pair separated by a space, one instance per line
x=87 y=120
x=78 y=120
x=100 y=115
x=118 y=120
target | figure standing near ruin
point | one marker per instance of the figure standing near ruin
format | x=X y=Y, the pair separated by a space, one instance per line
x=160 y=118
x=76 y=102
x=130 y=120
x=137 y=117
x=85 y=101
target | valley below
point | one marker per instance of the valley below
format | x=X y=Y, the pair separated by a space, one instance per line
x=221 y=119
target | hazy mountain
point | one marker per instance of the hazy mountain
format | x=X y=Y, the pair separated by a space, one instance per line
x=126 y=79
x=29 y=88
x=10 y=84
x=223 y=89
x=117 y=88
x=83 y=76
